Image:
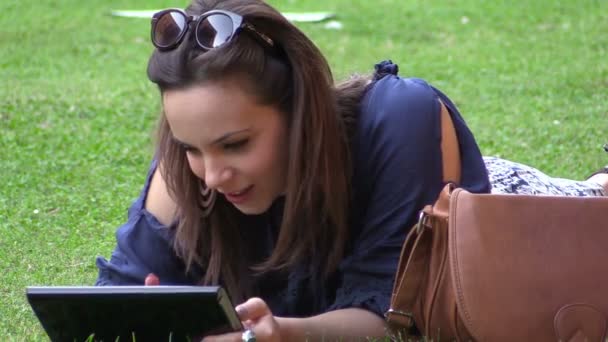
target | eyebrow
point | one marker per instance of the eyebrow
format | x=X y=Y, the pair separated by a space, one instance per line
x=228 y=135
x=218 y=140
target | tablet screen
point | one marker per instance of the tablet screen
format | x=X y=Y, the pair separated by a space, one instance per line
x=133 y=313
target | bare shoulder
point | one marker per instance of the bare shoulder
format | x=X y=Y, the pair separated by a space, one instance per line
x=158 y=201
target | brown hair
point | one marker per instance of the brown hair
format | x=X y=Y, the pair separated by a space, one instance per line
x=299 y=82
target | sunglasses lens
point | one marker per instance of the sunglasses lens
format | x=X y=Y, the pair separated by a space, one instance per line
x=214 y=30
x=169 y=27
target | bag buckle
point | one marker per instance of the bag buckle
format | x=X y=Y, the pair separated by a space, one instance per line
x=398 y=312
x=422 y=222
x=408 y=325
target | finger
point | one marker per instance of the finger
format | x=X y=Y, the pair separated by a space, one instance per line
x=151 y=280
x=247 y=324
x=253 y=309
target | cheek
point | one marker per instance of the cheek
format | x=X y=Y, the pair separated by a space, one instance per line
x=281 y=148
x=275 y=156
x=261 y=163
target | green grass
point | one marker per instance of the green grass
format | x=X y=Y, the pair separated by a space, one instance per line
x=77 y=112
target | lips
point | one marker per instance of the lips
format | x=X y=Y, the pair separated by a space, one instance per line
x=239 y=196
x=238 y=193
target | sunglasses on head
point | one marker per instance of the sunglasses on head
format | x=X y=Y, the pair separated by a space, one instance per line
x=211 y=29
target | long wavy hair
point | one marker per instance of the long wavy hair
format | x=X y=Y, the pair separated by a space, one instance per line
x=320 y=119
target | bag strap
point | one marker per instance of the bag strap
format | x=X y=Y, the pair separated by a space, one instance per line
x=414 y=260
x=414 y=263
x=406 y=288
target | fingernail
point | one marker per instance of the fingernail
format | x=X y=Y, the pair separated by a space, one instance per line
x=241 y=311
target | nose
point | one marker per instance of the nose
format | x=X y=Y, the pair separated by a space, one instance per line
x=215 y=172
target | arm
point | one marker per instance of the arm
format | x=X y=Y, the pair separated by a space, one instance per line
x=404 y=131
x=351 y=324
x=345 y=324
x=398 y=170
x=144 y=242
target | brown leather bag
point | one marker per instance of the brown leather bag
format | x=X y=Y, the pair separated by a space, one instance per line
x=504 y=268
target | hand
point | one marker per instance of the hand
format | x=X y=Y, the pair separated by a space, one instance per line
x=256 y=316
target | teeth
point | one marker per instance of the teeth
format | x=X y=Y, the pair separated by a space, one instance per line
x=237 y=193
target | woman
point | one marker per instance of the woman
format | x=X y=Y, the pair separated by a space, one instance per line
x=294 y=194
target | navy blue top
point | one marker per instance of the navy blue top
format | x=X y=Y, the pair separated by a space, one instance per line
x=397 y=170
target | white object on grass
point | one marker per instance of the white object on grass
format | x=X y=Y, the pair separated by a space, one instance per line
x=333 y=25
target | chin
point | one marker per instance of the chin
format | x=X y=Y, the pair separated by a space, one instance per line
x=251 y=210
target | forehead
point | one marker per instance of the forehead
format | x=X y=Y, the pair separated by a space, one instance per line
x=205 y=112
x=204 y=99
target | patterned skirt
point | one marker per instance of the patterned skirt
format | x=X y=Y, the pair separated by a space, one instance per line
x=508 y=177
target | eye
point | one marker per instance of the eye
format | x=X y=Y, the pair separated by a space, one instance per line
x=233 y=146
x=188 y=148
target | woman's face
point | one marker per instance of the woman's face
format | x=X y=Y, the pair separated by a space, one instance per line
x=237 y=146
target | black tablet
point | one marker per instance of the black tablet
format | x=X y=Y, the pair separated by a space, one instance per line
x=133 y=313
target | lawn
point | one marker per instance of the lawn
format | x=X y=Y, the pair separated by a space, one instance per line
x=77 y=112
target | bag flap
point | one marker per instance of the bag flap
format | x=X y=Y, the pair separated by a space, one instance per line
x=517 y=260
